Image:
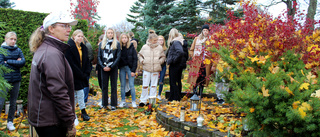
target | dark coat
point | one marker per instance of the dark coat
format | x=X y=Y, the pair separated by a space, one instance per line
x=129 y=58
x=12 y=63
x=175 y=53
x=51 y=92
x=80 y=73
x=116 y=56
x=185 y=56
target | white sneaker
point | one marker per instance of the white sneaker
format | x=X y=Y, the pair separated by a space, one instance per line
x=10 y=126
x=159 y=97
x=76 y=121
x=134 y=105
x=122 y=104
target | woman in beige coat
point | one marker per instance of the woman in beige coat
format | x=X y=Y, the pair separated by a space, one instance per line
x=199 y=72
x=151 y=56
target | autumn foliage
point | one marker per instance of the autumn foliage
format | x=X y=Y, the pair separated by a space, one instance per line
x=85 y=9
x=272 y=66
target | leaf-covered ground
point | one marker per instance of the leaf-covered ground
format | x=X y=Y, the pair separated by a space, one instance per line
x=125 y=121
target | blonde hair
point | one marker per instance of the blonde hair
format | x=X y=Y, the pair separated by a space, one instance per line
x=114 y=42
x=11 y=33
x=85 y=39
x=120 y=40
x=37 y=38
x=201 y=36
x=172 y=34
x=131 y=34
x=75 y=33
x=152 y=31
x=164 y=42
x=152 y=36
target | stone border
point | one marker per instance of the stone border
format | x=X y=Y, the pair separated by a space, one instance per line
x=190 y=129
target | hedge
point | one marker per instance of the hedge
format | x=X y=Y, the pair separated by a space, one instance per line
x=24 y=23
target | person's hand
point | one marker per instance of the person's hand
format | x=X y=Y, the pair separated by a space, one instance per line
x=5 y=61
x=19 y=59
x=72 y=131
x=97 y=72
x=133 y=74
x=106 y=69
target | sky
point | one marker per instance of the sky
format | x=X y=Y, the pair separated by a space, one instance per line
x=111 y=12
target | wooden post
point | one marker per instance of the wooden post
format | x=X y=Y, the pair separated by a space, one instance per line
x=32 y=132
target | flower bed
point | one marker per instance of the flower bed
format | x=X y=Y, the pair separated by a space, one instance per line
x=218 y=119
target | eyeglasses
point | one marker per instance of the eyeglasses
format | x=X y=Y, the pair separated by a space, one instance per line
x=65 y=26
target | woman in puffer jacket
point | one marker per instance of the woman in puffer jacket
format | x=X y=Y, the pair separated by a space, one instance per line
x=151 y=56
x=14 y=60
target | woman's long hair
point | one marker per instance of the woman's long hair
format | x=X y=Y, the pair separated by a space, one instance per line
x=37 y=38
x=120 y=40
x=172 y=34
x=114 y=42
x=201 y=36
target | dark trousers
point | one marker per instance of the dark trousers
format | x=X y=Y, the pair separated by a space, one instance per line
x=201 y=80
x=51 y=131
x=175 y=72
x=113 y=76
x=14 y=93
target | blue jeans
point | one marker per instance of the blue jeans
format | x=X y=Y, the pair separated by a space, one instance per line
x=86 y=89
x=86 y=92
x=162 y=74
x=123 y=71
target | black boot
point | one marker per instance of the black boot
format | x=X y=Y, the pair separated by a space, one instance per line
x=84 y=115
x=195 y=89
x=200 y=90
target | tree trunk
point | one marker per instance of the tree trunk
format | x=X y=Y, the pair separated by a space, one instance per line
x=311 y=12
x=291 y=6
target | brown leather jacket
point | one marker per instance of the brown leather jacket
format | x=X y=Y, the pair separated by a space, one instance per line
x=51 y=91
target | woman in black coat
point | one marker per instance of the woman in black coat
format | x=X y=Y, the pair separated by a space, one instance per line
x=175 y=60
x=77 y=56
x=127 y=66
x=14 y=60
x=109 y=55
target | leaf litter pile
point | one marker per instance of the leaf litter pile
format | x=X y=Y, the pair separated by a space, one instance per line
x=135 y=122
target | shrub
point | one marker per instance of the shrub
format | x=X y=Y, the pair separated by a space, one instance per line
x=23 y=23
x=272 y=67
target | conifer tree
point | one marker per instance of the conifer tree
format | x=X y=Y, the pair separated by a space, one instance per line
x=217 y=9
x=137 y=16
x=6 y=4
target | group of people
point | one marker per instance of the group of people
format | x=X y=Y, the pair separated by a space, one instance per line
x=60 y=71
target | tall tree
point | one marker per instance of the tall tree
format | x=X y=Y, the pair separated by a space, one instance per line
x=6 y=4
x=291 y=5
x=217 y=9
x=137 y=16
x=187 y=15
x=312 y=8
x=158 y=16
x=85 y=9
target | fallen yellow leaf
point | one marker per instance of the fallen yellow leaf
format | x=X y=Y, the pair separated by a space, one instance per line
x=289 y=91
x=304 y=86
x=265 y=92
x=252 y=110
x=295 y=104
